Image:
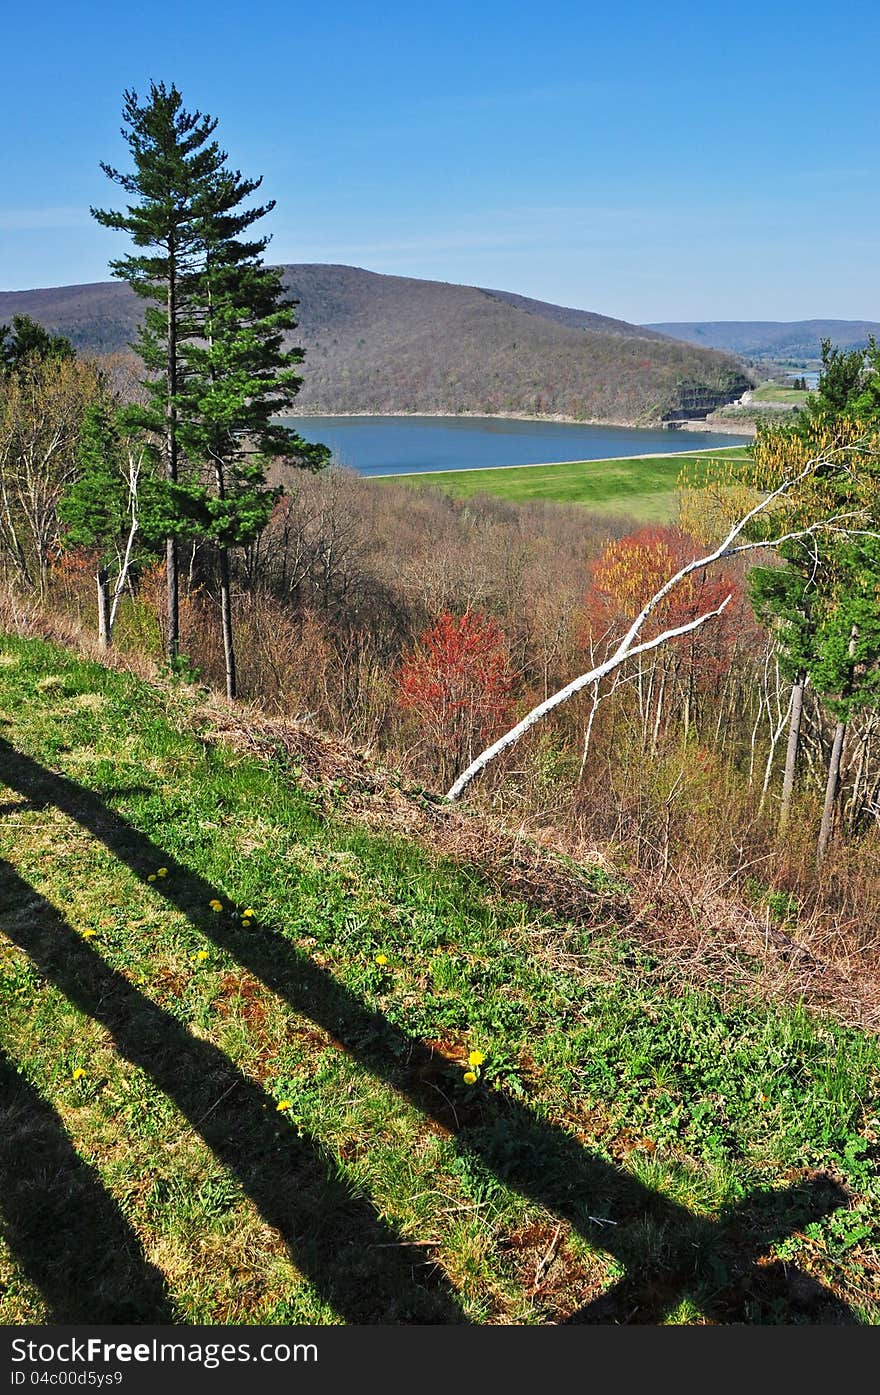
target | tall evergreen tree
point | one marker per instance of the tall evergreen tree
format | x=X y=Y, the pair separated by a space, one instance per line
x=175 y=164
x=846 y=670
x=786 y=595
x=816 y=595
x=213 y=337
x=866 y=404
x=239 y=375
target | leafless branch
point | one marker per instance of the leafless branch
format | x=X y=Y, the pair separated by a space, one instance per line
x=628 y=649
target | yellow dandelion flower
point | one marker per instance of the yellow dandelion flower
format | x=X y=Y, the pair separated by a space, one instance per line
x=216 y=905
x=382 y=959
x=476 y=1058
x=282 y=1105
x=246 y=915
x=151 y=877
x=202 y=954
x=470 y=1077
x=88 y=934
x=78 y=1073
x=161 y=871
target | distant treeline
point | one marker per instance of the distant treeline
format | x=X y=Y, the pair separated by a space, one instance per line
x=771 y=339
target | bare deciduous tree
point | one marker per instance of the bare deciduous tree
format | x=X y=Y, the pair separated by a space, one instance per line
x=41 y=413
x=852 y=521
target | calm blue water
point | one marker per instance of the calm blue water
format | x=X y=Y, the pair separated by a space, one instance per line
x=413 y=445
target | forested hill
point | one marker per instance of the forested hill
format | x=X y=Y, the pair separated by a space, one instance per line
x=772 y=338
x=396 y=344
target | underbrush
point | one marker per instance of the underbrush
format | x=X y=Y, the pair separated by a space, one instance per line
x=268 y=1061
x=347 y=614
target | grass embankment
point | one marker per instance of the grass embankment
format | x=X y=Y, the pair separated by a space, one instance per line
x=235 y=1031
x=643 y=489
x=774 y=392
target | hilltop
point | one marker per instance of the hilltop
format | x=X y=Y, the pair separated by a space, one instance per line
x=774 y=340
x=394 y=344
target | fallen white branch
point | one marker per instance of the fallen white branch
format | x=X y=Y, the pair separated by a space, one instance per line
x=628 y=649
x=594 y=676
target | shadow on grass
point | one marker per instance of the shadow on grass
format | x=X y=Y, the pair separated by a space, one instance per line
x=355 y=1261
x=669 y=1253
x=67 y=1233
x=724 y=1274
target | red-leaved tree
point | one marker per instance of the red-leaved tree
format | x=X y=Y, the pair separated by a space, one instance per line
x=631 y=570
x=459 y=681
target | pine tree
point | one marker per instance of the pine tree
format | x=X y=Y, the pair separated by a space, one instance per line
x=239 y=376
x=817 y=596
x=866 y=405
x=175 y=163
x=846 y=671
x=214 y=338
x=25 y=339
x=841 y=382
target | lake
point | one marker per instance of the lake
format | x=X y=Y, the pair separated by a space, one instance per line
x=416 y=445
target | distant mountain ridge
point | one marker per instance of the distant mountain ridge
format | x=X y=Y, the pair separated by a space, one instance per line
x=395 y=344
x=779 y=339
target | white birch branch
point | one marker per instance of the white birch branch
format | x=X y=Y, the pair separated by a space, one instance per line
x=134 y=470
x=627 y=649
x=594 y=676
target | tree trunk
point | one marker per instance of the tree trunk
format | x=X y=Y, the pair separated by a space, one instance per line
x=791 y=751
x=861 y=768
x=832 y=786
x=775 y=733
x=589 y=731
x=225 y=595
x=103 y=580
x=655 y=733
x=226 y=621
x=124 y=577
x=173 y=639
x=831 y=791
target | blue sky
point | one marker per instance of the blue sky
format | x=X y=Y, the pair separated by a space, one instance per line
x=652 y=161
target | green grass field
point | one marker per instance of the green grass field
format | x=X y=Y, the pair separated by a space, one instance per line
x=235 y=1028
x=772 y=392
x=643 y=489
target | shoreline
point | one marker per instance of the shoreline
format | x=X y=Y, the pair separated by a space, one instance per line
x=721 y=428
x=479 y=416
x=710 y=428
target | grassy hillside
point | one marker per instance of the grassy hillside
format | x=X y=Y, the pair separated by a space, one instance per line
x=773 y=392
x=645 y=489
x=396 y=344
x=237 y=1014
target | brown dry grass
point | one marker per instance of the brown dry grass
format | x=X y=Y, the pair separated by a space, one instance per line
x=695 y=922
x=691 y=916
